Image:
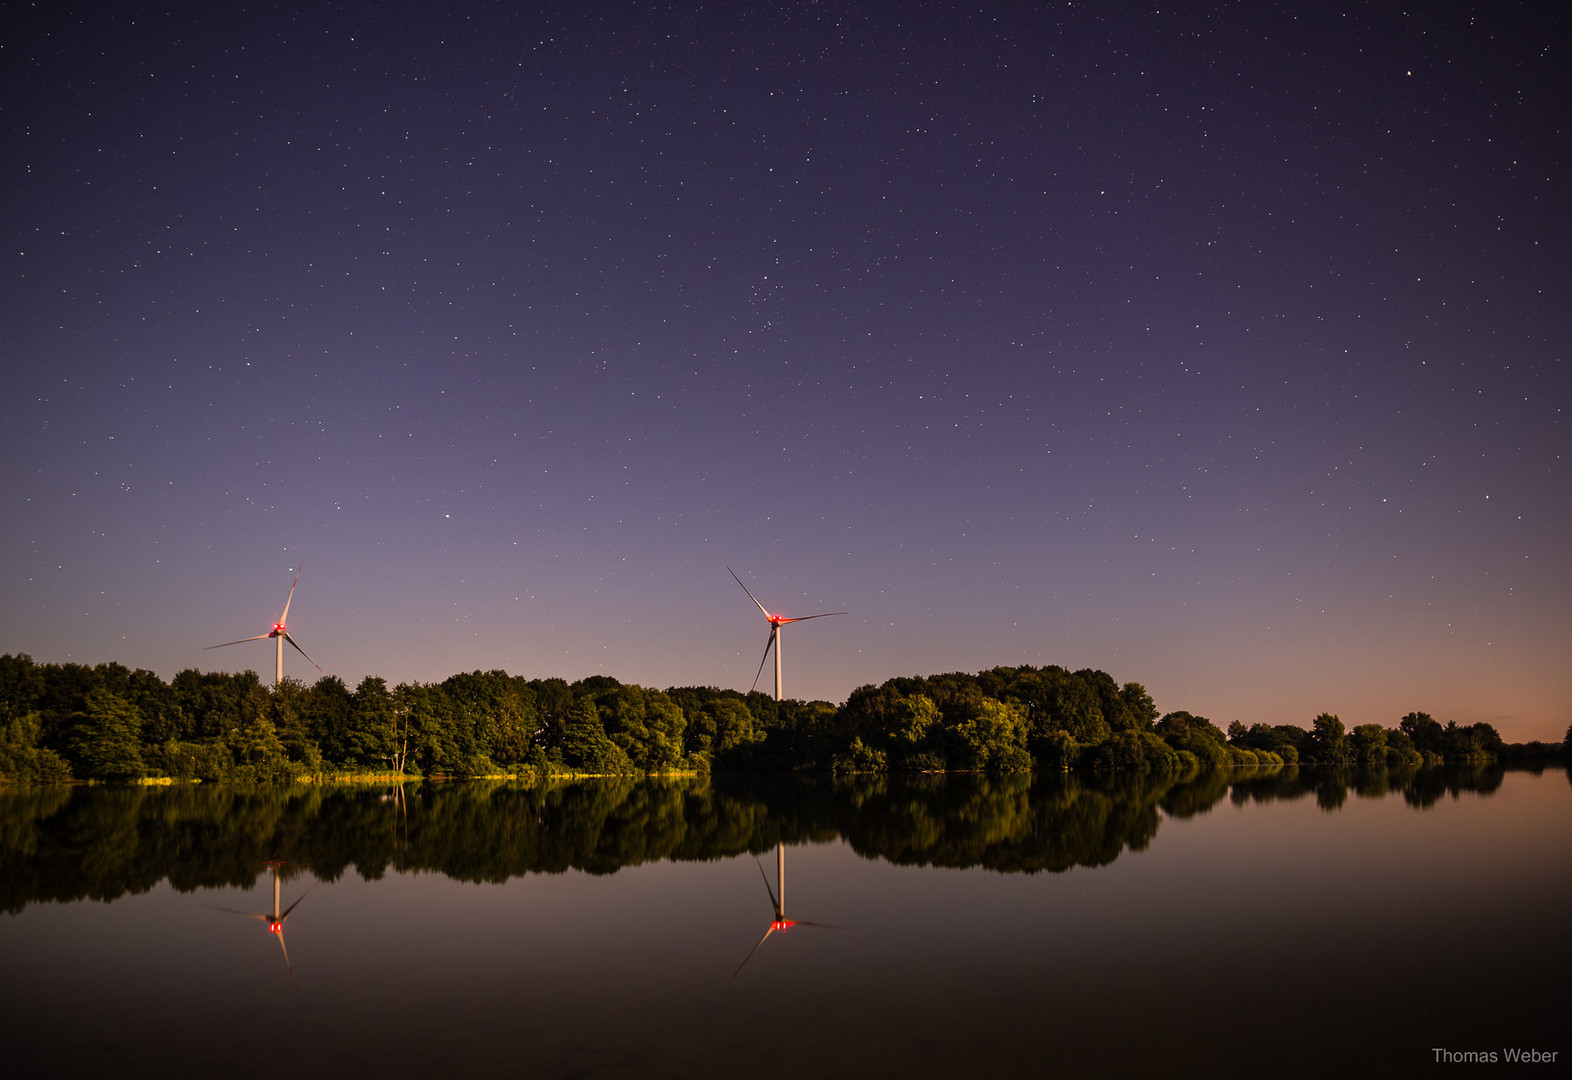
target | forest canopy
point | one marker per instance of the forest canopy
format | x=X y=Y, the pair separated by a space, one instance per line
x=61 y=722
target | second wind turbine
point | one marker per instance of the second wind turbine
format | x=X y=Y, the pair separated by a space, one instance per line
x=279 y=634
x=776 y=622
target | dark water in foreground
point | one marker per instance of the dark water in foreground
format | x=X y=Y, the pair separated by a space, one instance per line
x=1242 y=923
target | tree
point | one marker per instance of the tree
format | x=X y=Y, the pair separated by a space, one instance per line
x=554 y=699
x=667 y=726
x=1427 y=735
x=108 y=738
x=21 y=686
x=1076 y=705
x=585 y=745
x=1328 y=742
x=1134 y=751
x=1486 y=739
x=22 y=760
x=859 y=758
x=287 y=710
x=1198 y=735
x=1400 y=748
x=646 y=724
x=258 y=753
x=1108 y=715
x=889 y=721
x=722 y=725
x=436 y=742
x=1139 y=710
x=155 y=703
x=482 y=702
x=369 y=732
x=517 y=721
x=325 y=710
x=990 y=735
x=1367 y=744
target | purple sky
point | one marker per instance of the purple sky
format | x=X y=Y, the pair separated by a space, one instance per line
x=1224 y=352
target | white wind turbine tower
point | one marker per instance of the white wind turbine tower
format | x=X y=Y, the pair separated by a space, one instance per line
x=280 y=635
x=776 y=622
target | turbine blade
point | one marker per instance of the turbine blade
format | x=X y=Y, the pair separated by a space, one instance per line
x=296 y=904
x=773 y=631
x=284 y=618
x=302 y=652
x=236 y=911
x=755 y=599
x=819 y=925
x=805 y=618
x=288 y=966
x=775 y=905
x=755 y=949
x=242 y=641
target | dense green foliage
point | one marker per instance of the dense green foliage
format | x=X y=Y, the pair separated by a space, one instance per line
x=108 y=723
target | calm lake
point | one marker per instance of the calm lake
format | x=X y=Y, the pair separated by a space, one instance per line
x=1250 y=922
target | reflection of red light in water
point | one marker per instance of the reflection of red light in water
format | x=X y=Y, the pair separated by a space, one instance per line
x=782 y=924
x=276 y=927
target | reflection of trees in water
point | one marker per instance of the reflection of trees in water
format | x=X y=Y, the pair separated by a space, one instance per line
x=61 y=844
x=1012 y=823
x=1331 y=784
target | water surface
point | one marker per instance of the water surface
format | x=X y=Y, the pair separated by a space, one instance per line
x=1282 y=922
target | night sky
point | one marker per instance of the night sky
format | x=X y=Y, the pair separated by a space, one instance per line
x=1220 y=347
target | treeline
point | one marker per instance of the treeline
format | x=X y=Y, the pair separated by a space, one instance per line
x=60 y=722
x=64 y=843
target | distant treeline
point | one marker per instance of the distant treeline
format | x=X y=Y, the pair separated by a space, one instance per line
x=61 y=843
x=60 y=722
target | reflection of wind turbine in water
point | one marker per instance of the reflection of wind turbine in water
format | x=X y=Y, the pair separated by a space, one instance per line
x=275 y=918
x=778 y=903
x=776 y=622
x=280 y=635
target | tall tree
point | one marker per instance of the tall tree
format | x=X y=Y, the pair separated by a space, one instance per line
x=1328 y=742
x=108 y=738
x=1428 y=736
x=1140 y=712
x=369 y=735
x=585 y=745
x=325 y=709
x=1367 y=744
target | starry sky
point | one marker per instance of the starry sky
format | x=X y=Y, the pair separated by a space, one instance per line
x=1221 y=347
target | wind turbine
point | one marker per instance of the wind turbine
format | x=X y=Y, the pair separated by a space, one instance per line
x=280 y=635
x=774 y=642
x=778 y=903
x=275 y=918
